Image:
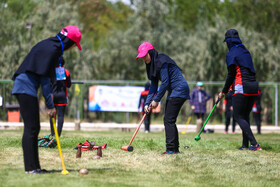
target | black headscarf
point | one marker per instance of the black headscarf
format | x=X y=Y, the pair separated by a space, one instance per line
x=157 y=61
x=44 y=56
x=237 y=49
x=147 y=85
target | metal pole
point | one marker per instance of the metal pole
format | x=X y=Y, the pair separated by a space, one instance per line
x=82 y=102
x=127 y=113
x=276 y=105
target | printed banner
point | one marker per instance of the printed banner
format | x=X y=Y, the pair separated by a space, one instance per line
x=114 y=98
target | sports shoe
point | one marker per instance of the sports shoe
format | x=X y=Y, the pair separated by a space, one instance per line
x=146 y=131
x=254 y=148
x=35 y=171
x=242 y=148
x=225 y=132
x=168 y=152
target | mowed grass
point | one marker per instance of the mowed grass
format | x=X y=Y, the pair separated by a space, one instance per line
x=213 y=161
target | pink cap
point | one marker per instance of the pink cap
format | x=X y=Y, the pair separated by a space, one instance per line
x=143 y=49
x=73 y=33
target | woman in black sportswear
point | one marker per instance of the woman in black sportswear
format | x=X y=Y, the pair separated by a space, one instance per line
x=35 y=71
x=241 y=76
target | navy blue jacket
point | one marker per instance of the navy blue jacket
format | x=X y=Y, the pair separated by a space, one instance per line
x=241 y=72
x=172 y=81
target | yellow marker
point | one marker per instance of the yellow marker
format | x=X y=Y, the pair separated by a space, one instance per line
x=77 y=90
x=188 y=122
x=64 y=171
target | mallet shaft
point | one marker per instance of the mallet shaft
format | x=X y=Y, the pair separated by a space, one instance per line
x=137 y=129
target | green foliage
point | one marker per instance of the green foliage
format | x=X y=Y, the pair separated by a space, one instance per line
x=190 y=12
x=44 y=20
x=99 y=17
x=190 y=32
x=13 y=35
x=260 y=15
x=200 y=52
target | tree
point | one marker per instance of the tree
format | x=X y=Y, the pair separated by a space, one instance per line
x=100 y=17
x=14 y=36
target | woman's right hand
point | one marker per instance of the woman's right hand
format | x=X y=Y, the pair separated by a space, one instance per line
x=221 y=95
x=147 y=109
x=52 y=112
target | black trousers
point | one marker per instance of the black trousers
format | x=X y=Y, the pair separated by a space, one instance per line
x=147 y=121
x=229 y=115
x=242 y=106
x=172 y=108
x=257 y=118
x=199 y=115
x=60 y=110
x=29 y=109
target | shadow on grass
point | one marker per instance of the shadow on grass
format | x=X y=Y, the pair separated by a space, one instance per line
x=77 y=170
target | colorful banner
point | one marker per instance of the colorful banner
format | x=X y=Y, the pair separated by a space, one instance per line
x=114 y=98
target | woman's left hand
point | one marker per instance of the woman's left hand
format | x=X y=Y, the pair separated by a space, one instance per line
x=154 y=104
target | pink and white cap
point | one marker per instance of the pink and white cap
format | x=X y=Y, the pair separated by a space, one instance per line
x=143 y=49
x=73 y=33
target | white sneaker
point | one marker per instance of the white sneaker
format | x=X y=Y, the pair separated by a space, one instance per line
x=146 y=131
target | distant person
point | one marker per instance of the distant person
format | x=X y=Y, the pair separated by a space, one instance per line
x=35 y=71
x=257 y=108
x=160 y=67
x=60 y=98
x=142 y=100
x=228 y=109
x=199 y=97
x=242 y=77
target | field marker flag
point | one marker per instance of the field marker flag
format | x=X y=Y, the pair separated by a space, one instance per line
x=77 y=90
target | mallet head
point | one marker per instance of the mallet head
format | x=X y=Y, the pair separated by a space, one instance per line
x=197 y=138
x=127 y=148
x=64 y=172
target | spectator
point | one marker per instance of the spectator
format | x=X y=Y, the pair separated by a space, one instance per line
x=257 y=108
x=228 y=109
x=199 y=97
x=142 y=100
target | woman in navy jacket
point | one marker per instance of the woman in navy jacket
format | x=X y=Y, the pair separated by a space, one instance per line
x=161 y=67
x=35 y=71
x=241 y=75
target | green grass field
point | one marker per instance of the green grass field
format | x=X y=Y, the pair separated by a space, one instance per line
x=213 y=161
